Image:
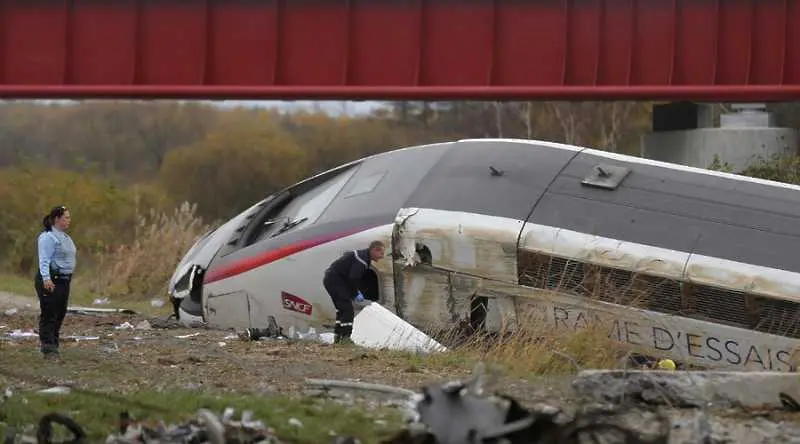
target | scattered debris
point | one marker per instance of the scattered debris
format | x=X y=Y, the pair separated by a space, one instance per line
x=459 y=412
x=650 y=406
x=272 y=331
x=373 y=327
x=11 y=311
x=612 y=406
x=206 y=427
x=143 y=325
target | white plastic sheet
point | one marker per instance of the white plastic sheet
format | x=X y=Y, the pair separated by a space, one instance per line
x=376 y=327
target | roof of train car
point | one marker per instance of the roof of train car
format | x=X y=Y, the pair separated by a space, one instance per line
x=660 y=204
x=671 y=206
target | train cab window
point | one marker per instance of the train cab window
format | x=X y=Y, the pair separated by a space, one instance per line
x=298 y=208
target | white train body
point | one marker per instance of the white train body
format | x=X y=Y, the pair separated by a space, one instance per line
x=685 y=263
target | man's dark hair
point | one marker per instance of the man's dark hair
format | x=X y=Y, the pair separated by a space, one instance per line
x=48 y=220
x=376 y=244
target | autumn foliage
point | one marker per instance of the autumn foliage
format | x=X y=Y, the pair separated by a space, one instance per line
x=144 y=179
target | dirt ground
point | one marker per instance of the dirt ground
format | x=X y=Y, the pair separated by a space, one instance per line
x=10 y=300
x=100 y=356
x=107 y=357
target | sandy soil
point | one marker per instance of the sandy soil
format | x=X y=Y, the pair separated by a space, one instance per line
x=10 y=300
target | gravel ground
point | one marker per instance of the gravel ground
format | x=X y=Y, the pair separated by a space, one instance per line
x=195 y=358
x=10 y=301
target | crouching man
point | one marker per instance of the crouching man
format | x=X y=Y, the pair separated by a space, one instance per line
x=341 y=281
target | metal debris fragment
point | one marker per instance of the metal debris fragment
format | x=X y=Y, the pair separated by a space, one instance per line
x=205 y=427
x=93 y=311
x=44 y=432
x=57 y=390
x=272 y=331
x=463 y=412
x=19 y=334
x=329 y=383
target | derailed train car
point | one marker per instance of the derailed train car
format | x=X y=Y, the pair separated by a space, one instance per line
x=686 y=263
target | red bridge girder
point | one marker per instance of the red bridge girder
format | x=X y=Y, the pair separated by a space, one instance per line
x=721 y=50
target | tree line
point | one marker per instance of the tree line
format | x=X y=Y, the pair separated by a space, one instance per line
x=114 y=161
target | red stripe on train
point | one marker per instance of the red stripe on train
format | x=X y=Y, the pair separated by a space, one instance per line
x=248 y=263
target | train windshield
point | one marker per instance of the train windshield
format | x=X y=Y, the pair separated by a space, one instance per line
x=303 y=209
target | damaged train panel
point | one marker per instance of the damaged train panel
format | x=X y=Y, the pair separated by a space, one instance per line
x=683 y=339
x=672 y=282
x=445 y=257
x=622 y=287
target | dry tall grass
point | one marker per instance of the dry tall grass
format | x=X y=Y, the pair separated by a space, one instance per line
x=143 y=267
x=534 y=345
x=536 y=348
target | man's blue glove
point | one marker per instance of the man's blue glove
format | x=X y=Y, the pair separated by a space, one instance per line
x=359 y=297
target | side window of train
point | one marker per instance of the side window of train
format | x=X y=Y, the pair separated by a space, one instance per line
x=273 y=204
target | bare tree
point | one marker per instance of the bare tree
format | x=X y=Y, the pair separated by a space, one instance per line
x=498 y=118
x=568 y=116
x=525 y=115
x=615 y=115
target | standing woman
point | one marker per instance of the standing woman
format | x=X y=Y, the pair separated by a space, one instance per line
x=56 y=264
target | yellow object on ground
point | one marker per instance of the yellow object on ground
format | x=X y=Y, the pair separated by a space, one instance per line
x=666 y=364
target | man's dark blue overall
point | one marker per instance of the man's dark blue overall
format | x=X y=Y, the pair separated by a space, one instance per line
x=341 y=281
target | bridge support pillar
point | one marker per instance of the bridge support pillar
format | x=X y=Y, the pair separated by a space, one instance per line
x=687 y=133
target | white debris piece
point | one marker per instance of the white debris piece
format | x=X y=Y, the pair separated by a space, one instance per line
x=57 y=390
x=98 y=311
x=376 y=327
x=144 y=325
x=310 y=335
x=78 y=338
x=11 y=311
x=327 y=337
x=23 y=334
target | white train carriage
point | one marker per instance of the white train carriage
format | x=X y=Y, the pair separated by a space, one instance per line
x=687 y=263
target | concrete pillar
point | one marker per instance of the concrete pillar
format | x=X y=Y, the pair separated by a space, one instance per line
x=684 y=133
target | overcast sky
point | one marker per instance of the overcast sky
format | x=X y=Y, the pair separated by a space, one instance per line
x=332 y=107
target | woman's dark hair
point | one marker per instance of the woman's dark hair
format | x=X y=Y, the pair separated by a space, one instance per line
x=48 y=220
